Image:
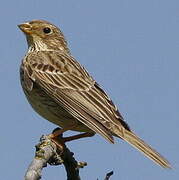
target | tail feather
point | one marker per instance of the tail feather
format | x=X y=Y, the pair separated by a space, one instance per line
x=139 y=144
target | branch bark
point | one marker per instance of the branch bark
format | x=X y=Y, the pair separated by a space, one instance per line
x=55 y=152
x=48 y=152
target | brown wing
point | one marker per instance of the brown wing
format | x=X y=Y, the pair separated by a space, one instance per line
x=71 y=86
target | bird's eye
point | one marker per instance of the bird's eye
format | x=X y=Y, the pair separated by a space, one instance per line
x=47 y=30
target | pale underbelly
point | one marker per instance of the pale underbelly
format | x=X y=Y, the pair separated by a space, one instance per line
x=53 y=112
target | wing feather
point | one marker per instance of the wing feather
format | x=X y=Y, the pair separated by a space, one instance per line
x=69 y=84
x=78 y=110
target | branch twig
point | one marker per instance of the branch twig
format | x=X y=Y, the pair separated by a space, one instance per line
x=108 y=175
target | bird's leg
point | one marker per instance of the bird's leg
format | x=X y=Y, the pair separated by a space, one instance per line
x=58 y=132
x=57 y=136
x=60 y=141
x=78 y=136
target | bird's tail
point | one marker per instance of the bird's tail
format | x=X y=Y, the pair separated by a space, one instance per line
x=139 y=144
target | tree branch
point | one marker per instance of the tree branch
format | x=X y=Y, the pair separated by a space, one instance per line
x=49 y=152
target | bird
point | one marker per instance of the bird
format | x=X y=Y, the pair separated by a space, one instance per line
x=63 y=92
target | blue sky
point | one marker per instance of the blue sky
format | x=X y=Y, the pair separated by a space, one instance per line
x=131 y=49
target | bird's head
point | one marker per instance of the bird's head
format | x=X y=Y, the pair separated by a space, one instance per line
x=42 y=35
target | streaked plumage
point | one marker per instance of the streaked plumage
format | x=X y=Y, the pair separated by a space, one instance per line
x=62 y=91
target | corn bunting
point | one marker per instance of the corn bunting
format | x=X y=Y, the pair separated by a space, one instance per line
x=62 y=91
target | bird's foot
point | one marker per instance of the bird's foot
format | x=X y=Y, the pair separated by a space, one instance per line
x=57 y=136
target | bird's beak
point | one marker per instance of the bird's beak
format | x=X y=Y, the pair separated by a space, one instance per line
x=26 y=28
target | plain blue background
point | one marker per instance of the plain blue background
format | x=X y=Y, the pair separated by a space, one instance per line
x=132 y=49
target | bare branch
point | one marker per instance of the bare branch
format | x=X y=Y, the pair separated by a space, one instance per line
x=47 y=151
